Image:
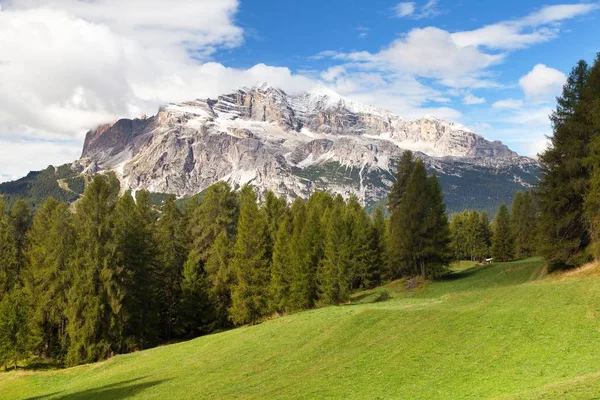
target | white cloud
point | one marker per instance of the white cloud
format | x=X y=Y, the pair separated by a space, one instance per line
x=431 y=52
x=542 y=83
x=411 y=10
x=538 y=27
x=511 y=104
x=405 y=9
x=68 y=67
x=471 y=99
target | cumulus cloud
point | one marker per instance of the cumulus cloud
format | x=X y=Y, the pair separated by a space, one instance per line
x=542 y=83
x=537 y=27
x=510 y=104
x=471 y=99
x=69 y=65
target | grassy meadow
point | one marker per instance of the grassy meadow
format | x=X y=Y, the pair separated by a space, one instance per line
x=503 y=331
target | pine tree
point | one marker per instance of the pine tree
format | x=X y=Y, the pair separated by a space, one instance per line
x=364 y=270
x=436 y=237
x=15 y=327
x=249 y=295
x=380 y=242
x=406 y=166
x=523 y=219
x=134 y=238
x=172 y=254
x=96 y=296
x=307 y=248
x=409 y=226
x=47 y=277
x=195 y=310
x=334 y=273
x=8 y=252
x=281 y=267
x=503 y=240
x=21 y=217
x=564 y=174
x=592 y=162
x=220 y=277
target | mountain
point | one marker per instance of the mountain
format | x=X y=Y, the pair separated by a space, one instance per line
x=295 y=145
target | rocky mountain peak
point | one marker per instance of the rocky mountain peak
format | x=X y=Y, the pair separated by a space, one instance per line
x=292 y=145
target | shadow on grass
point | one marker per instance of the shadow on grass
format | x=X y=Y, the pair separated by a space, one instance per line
x=113 y=391
x=452 y=276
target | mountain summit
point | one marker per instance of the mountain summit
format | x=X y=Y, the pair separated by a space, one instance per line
x=295 y=145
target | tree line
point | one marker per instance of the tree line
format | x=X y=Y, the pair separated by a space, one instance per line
x=116 y=274
x=511 y=235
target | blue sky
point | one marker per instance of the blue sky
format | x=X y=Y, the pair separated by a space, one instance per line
x=69 y=65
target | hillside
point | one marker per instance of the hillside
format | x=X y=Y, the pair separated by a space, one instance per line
x=500 y=331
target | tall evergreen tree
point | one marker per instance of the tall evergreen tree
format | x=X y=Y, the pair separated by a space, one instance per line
x=281 y=267
x=564 y=174
x=436 y=236
x=8 y=252
x=96 y=295
x=503 y=239
x=172 y=254
x=15 y=327
x=523 y=220
x=220 y=277
x=249 y=294
x=21 y=216
x=406 y=166
x=380 y=241
x=47 y=278
x=134 y=238
x=334 y=274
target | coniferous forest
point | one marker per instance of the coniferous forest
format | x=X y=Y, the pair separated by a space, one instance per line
x=116 y=274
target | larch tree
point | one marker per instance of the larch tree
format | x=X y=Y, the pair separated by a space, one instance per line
x=503 y=243
x=249 y=294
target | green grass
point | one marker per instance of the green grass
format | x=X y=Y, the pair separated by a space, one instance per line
x=503 y=331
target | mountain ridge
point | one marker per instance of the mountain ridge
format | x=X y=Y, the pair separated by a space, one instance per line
x=296 y=145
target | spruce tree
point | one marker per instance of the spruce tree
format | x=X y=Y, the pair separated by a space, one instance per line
x=523 y=219
x=47 y=277
x=21 y=217
x=15 y=327
x=436 y=237
x=220 y=277
x=503 y=240
x=136 y=252
x=95 y=298
x=249 y=294
x=8 y=252
x=406 y=165
x=564 y=174
x=334 y=273
x=172 y=254
x=380 y=241
x=281 y=268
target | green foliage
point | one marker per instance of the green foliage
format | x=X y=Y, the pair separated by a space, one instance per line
x=566 y=168
x=250 y=264
x=172 y=254
x=523 y=221
x=95 y=299
x=15 y=331
x=49 y=258
x=38 y=186
x=503 y=241
x=470 y=236
x=419 y=233
x=9 y=263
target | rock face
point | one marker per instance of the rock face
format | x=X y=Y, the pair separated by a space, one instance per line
x=295 y=145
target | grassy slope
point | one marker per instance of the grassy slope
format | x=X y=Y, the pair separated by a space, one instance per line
x=488 y=332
